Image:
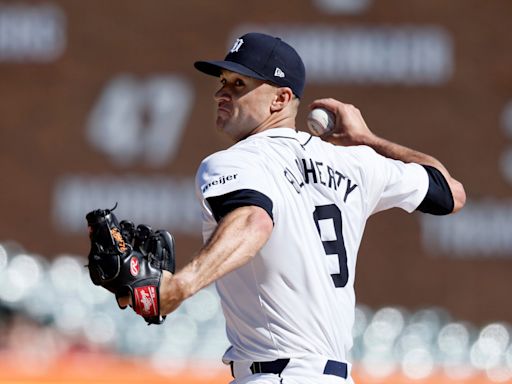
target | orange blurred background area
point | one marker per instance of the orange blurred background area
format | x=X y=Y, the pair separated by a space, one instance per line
x=108 y=369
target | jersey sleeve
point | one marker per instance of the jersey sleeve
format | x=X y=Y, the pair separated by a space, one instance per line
x=439 y=198
x=393 y=183
x=230 y=179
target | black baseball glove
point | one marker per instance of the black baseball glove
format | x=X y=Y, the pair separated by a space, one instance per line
x=128 y=260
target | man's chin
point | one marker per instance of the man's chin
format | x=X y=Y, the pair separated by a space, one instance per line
x=222 y=124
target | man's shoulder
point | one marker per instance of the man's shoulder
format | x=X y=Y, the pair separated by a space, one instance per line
x=361 y=151
x=215 y=155
x=233 y=158
x=355 y=152
x=242 y=150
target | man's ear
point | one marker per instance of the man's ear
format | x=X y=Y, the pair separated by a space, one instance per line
x=282 y=98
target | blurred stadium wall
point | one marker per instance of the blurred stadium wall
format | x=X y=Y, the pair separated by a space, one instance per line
x=100 y=104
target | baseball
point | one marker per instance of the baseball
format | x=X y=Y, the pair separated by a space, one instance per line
x=320 y=121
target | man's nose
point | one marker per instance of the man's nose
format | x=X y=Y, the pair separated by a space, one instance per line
x=222 y=95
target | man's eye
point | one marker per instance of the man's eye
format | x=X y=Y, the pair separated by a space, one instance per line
x=239 y=83
x=223 y=81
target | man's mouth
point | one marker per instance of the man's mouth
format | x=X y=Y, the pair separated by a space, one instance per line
x=223 y=109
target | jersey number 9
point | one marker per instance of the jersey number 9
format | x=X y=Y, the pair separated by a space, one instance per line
x=336 y=246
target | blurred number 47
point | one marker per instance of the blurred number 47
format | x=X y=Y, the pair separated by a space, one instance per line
x=138 y=120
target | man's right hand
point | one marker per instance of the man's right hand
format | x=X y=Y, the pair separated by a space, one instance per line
x=350 y=127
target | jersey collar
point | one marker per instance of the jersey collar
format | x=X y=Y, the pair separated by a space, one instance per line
x=278 y=132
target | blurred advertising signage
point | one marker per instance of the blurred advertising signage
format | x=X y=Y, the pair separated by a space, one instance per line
x=31 y=33
x=134 y=121
x=343 y=6
x=376 y=55
x=164 y=202
x=484 y=227
x=140 y=121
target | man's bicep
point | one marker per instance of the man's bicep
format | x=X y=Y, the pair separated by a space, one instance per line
x=238 y=237
x=394 y=184
x=233 y=179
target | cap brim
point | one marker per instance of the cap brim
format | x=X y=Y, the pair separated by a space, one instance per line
x=214 y=68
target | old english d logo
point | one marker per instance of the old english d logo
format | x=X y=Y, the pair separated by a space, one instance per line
x=237 y=45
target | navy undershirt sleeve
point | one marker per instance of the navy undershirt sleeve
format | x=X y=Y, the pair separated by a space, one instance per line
x=439 y=199
x=223 y=204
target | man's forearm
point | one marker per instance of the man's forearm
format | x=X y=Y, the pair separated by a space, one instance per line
x=351 y=129
x=407 y=155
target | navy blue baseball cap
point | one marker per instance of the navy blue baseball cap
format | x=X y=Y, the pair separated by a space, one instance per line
x=262 y=57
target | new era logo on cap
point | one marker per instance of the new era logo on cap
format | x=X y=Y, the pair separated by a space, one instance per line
x=262 y=57
x=278 y=72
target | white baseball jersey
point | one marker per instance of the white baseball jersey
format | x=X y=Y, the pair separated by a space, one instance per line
x=295 y=298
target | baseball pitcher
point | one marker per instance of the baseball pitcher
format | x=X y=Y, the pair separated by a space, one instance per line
x=283 y=217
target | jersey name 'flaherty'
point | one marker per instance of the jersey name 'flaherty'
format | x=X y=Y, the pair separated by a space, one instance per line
x=296 y=296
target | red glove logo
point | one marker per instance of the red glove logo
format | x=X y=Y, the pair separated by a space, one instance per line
x=146 y=303
x=134 y=266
